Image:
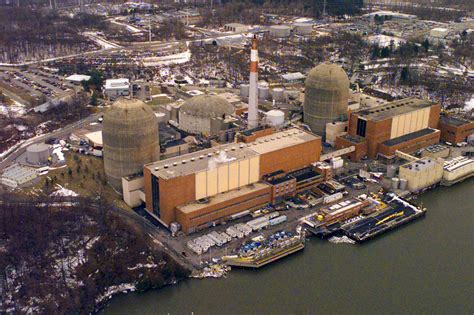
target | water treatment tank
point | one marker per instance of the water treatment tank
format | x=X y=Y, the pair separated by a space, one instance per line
x=280 y=31
x=263 y=92
x=302 y=28
x=244 y=90
x=395 y=183
x=37 y=154
x=403 y=184
x=278 y=94
x=326 y=96
x=130 y=136
x=275 y=118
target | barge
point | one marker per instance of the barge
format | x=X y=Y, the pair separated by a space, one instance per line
x=259 y=254
x=400 y=212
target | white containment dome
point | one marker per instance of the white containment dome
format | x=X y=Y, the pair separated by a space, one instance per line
x=275 y=118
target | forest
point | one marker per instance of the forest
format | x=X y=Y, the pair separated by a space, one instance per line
x=71 y=253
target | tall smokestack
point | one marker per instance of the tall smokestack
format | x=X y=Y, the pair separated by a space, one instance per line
x=253 y=91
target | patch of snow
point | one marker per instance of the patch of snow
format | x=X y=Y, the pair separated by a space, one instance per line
x=64 y=192
x=114 y=290
x=469 y=104
x=139 y=266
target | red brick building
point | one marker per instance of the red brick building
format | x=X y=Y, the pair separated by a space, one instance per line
x=379 y=131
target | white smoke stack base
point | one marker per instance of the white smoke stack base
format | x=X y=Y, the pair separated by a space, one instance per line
x=253 y=89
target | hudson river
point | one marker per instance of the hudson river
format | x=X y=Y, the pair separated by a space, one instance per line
x=425 y=267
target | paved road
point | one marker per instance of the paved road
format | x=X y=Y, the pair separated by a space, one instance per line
x=21 y=148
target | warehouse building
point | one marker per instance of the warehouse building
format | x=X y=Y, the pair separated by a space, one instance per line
x=17 y=175
x=422 y=173
x=204 y=187
x=455 y=129
x=457 y=169
x=116 y=87
x=406 y=125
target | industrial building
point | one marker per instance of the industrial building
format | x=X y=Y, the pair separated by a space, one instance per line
x=236 y=28
x=130 y=138
x=114 y=88
x=455 y=129
x=205 y=114
x=406 y=125
x=457 y=169
x=326 y=97
x=205 y=187
x=16 y=175
x=422 y=173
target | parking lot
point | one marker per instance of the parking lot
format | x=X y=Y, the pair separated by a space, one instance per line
x=33 y=86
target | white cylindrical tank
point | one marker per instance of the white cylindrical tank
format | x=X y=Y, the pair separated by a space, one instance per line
x=280 y=31
x=263 y=92
x=244 y=90
x=303 y=28
x=403 y=184
x=275 y=118
x=161 y=117
x=395 y=183
x=278 y=94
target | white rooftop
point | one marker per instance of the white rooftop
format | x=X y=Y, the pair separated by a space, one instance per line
x=117 y=84
x=78 y=78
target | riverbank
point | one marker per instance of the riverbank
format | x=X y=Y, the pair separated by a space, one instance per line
x=420 y=267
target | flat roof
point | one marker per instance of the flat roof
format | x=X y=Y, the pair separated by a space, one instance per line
x=117 y=84
x=200 y=160
x=410 y=136
x=219 y=198
x=18 y=172
x=281 y=140
x=78 y=77
x=421 y=164
x=395 y=108
x=454 y=121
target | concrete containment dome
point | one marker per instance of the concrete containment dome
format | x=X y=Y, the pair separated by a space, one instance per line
x=207 y=106
x=203 y=114
x=326 y=96
x=130 y=136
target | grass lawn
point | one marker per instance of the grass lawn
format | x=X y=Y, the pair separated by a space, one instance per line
x=84 y=174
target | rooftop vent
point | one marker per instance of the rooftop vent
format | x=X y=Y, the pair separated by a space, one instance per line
x=175 y=164
x=233 y=148
x=183 y=161
x=192 y=159
x=157 y=168
x=166 y=166
x=201 y=157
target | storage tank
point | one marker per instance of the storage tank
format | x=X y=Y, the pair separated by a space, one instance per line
x=403 y=184
x=263 y=92
x=244 y=90
x=275 y=118
x=303 y=28
x=37 y=154
x=395 y=183
x=280 y=31
x=161 y=117
x=391 y=170
x=130 y=136
x=278 y=94
x=326 y=97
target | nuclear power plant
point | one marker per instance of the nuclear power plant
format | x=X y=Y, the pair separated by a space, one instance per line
x=326 y=97
x=130 y=138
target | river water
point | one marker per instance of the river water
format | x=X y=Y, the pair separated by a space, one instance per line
x=426 y=267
